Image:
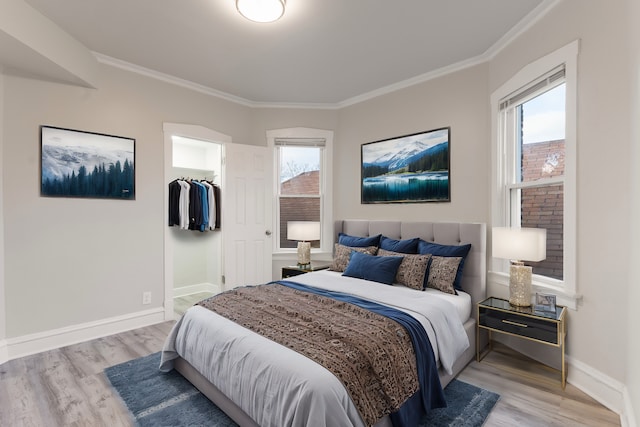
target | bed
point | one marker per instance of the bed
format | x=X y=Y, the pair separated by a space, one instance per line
x=259 y=382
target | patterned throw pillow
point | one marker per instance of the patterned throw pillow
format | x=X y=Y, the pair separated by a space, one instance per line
x=412 y=269
x=448 y=251
x=442 y=273
x=341 y=256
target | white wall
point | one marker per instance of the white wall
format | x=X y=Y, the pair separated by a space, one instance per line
x=459 y=100
x=3 y=332
x=72 y=261
x=264 y=119
x=633 y=337
x=597 y=334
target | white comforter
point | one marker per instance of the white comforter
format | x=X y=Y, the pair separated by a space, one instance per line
x=277 y=386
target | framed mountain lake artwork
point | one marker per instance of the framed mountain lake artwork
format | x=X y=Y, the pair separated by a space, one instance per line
x=86 y=164
x=407 y=169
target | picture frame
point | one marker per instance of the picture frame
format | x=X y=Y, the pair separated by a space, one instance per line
x=545 y=303
x=82 y=164
x=411 y=168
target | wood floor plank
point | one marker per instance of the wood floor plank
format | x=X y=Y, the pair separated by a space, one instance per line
x=181 y=304
x=18 y=401
x=66 y=398
x=107 y=405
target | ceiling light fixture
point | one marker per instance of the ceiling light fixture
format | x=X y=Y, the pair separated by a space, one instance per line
x=261 y=10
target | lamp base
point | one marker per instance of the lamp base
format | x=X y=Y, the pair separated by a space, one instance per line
x=304 y=254
x=520 y=285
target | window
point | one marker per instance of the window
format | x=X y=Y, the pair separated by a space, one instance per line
x=535 y=181
x=302 y=188
x=534 y=163
x=299 y=185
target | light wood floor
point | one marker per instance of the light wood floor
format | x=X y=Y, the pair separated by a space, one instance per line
x=67 y=387
x=181 y=304
x=531 y=394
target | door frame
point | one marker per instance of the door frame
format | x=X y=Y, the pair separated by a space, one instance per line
x=187 y=131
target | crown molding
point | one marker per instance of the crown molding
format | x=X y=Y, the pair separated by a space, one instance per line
x=440 y=72
x=167 y=78
x=520 y=28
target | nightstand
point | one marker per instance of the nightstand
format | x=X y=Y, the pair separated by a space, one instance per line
x=294 y=270
x=497 y=315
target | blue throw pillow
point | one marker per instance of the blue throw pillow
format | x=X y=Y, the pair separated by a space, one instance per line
x=381 y=269
x=408 y=246
x=446 y=251
x=358 y=242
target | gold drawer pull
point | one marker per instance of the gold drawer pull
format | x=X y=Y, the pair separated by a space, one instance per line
x=522 y=325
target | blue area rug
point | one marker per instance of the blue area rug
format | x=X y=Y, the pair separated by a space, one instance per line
x=167 y=399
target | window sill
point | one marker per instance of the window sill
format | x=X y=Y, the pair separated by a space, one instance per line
x=571 y=301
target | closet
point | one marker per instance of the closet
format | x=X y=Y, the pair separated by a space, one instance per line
x=197 y=255
x=240 y=252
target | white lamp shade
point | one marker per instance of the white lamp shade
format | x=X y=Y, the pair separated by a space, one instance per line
x=261 y=10
x=521 y=244
x=303 y=230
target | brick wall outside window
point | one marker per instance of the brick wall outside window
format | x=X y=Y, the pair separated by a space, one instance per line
x=542 y=207
x=299 y=208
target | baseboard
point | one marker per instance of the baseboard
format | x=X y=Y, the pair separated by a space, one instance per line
x=195 y=289
x=607 y=391
x=628 y=418
x=56 y=338
x=4 y=352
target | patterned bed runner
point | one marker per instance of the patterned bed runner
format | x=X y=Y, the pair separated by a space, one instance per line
x=370 y=354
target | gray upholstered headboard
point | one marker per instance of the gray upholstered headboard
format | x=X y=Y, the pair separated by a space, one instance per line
x=474 y=275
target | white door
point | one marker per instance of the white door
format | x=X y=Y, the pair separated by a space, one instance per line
x=246 y=215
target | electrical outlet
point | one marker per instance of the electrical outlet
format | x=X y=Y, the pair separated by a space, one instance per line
x=146 y=298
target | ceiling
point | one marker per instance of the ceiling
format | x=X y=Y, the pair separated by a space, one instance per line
x=323 y=52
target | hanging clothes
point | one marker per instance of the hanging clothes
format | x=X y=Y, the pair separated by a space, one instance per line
x=194 y=205
x=216 y=192
x=212 y=204
x=203 y=224
x=184 y=204
x=175 y=190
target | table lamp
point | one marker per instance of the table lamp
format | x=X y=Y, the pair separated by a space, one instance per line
x=518 y=245
x=304 y=232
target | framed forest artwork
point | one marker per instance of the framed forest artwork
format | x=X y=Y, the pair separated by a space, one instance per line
x=82 y=164
x=407 y=169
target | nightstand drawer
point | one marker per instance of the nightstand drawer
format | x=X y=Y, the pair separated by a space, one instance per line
x=519 y=325
x=291 y=272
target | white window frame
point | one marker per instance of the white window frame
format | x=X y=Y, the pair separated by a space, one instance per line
x=502 y=169
x=326 y=185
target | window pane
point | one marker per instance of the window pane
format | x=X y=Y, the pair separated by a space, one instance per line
x=542 y=207
x=297 y=209
x=542 y=135
x=299 y=170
